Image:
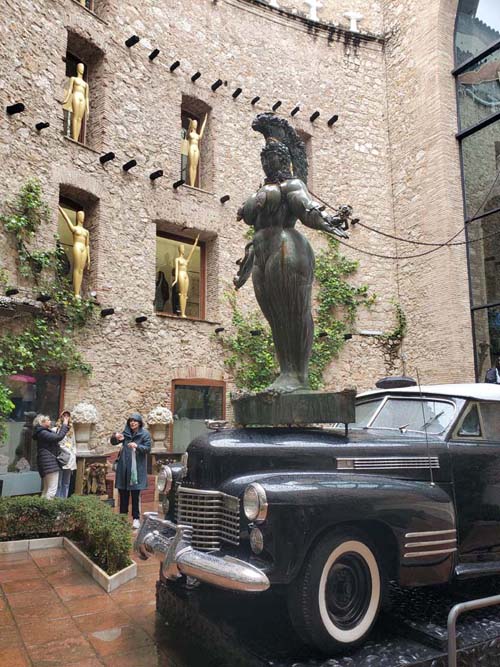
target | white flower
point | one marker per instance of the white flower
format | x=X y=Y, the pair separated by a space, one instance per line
x=84 y=413
x=159 y=415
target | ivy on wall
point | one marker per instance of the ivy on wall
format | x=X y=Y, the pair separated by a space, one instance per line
x=46 y=342
x=390 y=343
x=249 y=349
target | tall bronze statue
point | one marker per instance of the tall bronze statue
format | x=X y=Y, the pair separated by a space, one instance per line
x=81 y=249
x=182 y=276
x=194 y=139
x=279 y=258
x=76 y=100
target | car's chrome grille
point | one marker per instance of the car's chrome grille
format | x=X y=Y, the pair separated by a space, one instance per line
x=214 y=516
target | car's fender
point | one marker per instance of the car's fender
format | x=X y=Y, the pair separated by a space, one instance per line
x=396 y=513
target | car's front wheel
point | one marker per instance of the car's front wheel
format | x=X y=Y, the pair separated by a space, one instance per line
x=334 y=601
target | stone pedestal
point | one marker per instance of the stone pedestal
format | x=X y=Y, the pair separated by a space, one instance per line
x=158 y=435
x=298 y=407
x=82 y=437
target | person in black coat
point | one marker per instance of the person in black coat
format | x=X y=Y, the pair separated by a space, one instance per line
x=493 y=374
x=48 y=449
x=131 y=468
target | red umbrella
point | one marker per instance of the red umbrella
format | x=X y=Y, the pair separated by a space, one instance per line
x=22 y=378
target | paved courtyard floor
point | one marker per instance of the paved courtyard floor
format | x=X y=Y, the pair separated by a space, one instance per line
x=53 y=614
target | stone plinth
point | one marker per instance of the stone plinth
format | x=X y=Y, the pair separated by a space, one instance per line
x=298 y=407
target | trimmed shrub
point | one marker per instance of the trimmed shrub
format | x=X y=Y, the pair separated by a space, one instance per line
x=105 y=537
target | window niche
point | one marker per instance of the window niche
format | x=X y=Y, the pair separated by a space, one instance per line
x=170 y=298
x=83 y=92
x=196 y=144
x=78 y=206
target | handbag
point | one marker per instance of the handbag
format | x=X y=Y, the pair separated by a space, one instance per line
x=63 y=457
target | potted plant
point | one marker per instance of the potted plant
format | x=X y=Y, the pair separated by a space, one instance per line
x=84 y=415
x=157 y=420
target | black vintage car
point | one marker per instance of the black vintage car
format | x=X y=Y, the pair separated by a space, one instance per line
x=410 y=493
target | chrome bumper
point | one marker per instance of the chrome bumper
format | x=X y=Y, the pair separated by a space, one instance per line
x=172 y=544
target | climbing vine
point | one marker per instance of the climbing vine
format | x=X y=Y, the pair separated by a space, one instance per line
x=47 y=340
x=249 y=349
x=390 y=342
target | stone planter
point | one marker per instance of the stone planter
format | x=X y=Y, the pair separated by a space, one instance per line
x=158 y=435
x=82 y=437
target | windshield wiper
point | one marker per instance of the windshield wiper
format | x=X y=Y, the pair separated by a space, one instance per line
x=402 y=429
x=432 y=419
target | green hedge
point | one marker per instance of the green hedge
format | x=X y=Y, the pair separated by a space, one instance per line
x=105 y=537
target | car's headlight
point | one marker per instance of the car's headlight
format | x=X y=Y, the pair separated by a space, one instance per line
x=255 y=502
x=164 y=481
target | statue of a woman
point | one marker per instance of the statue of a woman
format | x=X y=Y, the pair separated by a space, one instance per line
x=81 y=249
x=194 y=148
x=181 y=275
x=76 y=101
x=280 y=259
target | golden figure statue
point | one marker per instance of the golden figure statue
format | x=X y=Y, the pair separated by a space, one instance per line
x=181 y=275
x=81 y=249
x=76 y=101
x=194 y=149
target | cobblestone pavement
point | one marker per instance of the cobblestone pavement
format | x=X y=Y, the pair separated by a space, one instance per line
x=53 y=614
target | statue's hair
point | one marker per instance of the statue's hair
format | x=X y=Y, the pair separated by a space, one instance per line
x=279 y=129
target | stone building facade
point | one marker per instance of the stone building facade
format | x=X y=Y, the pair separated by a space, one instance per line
x=392 y=154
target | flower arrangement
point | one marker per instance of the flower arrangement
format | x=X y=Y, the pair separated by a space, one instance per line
x=159 y=415
x=84 y=413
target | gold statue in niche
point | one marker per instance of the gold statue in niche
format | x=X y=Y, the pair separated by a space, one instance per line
x=181 y=275
x=194 y=148
x=81 y=249
x=76 y=101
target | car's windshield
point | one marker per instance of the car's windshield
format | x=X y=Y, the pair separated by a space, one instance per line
x=404 y=414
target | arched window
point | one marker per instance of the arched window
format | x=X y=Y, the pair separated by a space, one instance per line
x=477 y=73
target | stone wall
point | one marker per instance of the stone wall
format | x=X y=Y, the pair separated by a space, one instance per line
x=392 y=155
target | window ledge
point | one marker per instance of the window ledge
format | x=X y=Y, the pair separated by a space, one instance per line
x=198 y=190
x=89 y=11
x=77 y=143
x=186 y=319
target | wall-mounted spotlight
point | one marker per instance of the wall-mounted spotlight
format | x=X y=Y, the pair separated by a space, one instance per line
x=224 y=199
x=107 y=157
x=128 y=165
x=216 y=84
x=156 y=174
x=219 y=330
x=132 y=41
x=332 y=120
x=42 y=126
x=255 y=100
x=178 y=183
x=276 y=105
x=294 y=111
x=154 y=53
x=12 y=109
x=105 y=312
x=195 y=76
x=175 y=65
x=141 y=318
x=43 y=298
x=313 y=116
x=255 y=332
x=11 y=292
x=237 y=92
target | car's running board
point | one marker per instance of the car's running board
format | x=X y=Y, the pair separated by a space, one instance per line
x=471 y=570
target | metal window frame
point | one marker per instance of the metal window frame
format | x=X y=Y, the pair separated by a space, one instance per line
x=460 y=136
